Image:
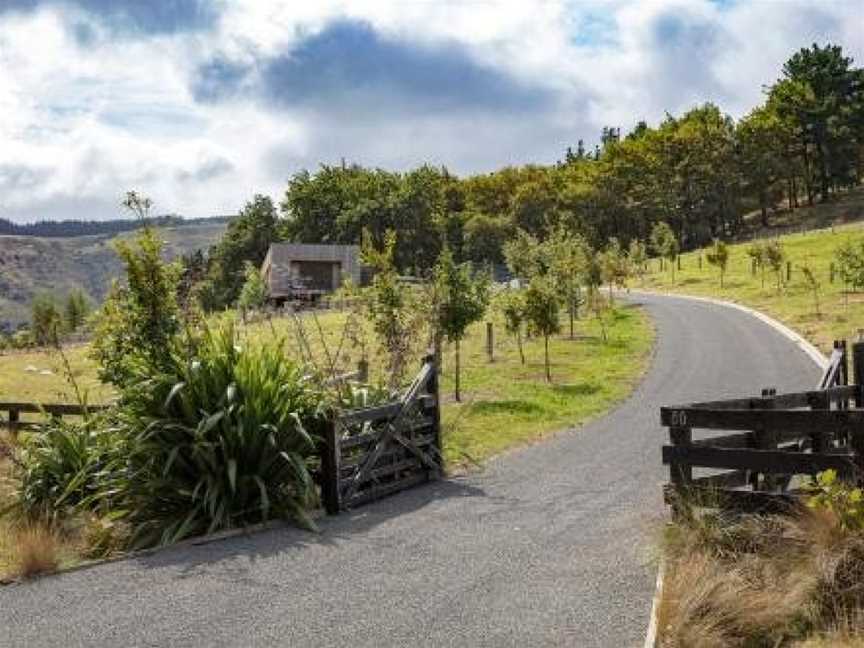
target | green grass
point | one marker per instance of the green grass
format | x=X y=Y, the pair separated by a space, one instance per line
x=841 y=313
x=504 y=403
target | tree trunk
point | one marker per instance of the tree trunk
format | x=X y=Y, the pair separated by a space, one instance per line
x=546 y=352
x=572 y=308
x=458 y=385
x=519 y=344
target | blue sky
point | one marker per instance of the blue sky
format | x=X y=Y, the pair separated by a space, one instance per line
x=200 y=104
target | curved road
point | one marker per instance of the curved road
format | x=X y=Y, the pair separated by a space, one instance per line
x=550 y=545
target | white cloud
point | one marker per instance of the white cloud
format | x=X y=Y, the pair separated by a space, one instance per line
x=84 y=119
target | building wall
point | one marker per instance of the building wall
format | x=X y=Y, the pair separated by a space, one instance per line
x=277 y=267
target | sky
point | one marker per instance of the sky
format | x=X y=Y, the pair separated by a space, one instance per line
x=200 y=104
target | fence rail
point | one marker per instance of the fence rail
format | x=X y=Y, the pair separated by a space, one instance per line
x=13 y=423
x=373 y=452
x=775 y=438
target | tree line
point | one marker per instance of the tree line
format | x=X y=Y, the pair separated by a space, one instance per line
x=69 y=228
x=700 y=172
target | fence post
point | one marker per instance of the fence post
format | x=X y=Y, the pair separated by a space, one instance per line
x=788 y=271
x=14 y=418
x=330 y=468
x=363 y=370
x=700 y=260
x=678 y=260
x=858 y=368
x=680 y=475
x=490 y=343
x=753 y=267
x=831 y=273
x=434 y=389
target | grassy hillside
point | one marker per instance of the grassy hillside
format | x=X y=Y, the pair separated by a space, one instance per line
x=841 y=312
x=30 y=265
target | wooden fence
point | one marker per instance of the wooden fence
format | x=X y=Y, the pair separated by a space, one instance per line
x=13 y=422
x=775 y=438
x=373 y=452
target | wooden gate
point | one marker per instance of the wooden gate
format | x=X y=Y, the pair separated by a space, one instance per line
x=776 y=438
x=373 y=452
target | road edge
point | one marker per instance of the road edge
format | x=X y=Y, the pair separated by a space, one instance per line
x=793 y=336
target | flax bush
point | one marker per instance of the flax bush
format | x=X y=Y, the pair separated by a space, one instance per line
x=222 y=440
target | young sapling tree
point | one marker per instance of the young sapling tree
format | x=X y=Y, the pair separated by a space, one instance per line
x=664 y=244
x=718 y=256
x=461 y=299
x=542 y=313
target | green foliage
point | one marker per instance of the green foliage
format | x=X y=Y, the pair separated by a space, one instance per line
x=390 y=306
x=511 y=304
x=569 y=262
x=253 y=295
x=141 y=321
x=774 y=256
x=718 y=256
x=664 y=244
x=246 y=240
x=46 y=321
x=813 y=285
x=637 y=253
x=460 y=298
x=839 y=498
x=59 y=466
x=850 y=263
x=75 y=311
x=615 y=267
x=219 y=439
x=542 y=309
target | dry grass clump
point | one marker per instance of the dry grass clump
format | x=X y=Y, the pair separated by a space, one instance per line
x=36 y=550
x=762 y=581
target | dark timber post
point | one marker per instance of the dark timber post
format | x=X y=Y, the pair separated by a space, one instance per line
x=766 y=439
x=788 y=271
x=434 y=389
x=831 y=273
x=330 y=468
x=678 y=260
x=363 y=370
x=680 y=474
x=14 y=417
x=490 y=343
x=858 y=368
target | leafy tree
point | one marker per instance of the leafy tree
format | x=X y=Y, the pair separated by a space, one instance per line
x=665 y=244
x=813 y=285
x=247 y=239
x=637 y=253
x=138 y=324
x=524 y=255
x=75 y=310
x=756 y=252
x=850 y=263
x=718 y=256
x=389 y=306
x=614 y=265
x=461 y=300
x=774 y=258
x=511 y=303
x=253 y=295
x=569 y=258
x=542 y=313
x=45 y=320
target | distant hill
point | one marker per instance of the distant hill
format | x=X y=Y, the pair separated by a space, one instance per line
x=63 y=229
x=58 y=264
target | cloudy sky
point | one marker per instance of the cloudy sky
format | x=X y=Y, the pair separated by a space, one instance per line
x=202 y=103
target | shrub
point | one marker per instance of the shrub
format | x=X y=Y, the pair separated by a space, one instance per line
x=850 y=263
x=60 y=466
x=221 y=440
x=843 y=500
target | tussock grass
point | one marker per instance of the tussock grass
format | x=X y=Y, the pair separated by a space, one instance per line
x=762 y=581
x=36 y=550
